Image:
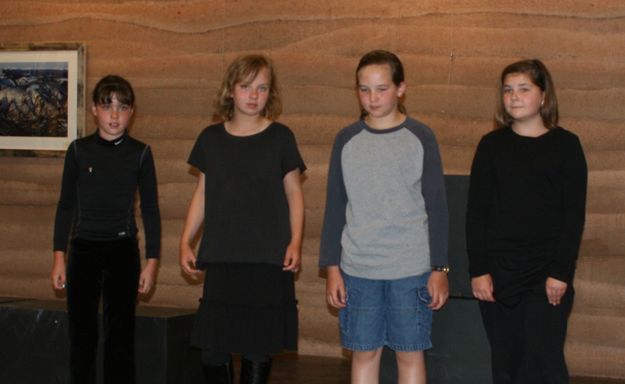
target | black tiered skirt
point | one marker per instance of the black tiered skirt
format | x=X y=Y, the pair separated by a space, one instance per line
x=246 y=308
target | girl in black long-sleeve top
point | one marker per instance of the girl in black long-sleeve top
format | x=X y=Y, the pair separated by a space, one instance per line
x=525 y=218
x=102 y=174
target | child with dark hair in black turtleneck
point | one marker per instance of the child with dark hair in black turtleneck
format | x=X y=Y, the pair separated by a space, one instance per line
x=95 y=215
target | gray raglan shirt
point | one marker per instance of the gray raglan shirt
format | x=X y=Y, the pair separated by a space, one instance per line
x=386 y=210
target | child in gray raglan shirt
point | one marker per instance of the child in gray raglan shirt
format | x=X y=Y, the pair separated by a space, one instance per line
x=384 y=238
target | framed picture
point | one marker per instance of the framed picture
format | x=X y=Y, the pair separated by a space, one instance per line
x=41 y=96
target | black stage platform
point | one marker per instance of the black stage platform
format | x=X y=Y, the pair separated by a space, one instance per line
x=34 y=344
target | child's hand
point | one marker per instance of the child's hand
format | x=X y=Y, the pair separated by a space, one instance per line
x=438 y=286
x=147 y=279
x=335 y=288
x=482 y=287
x=58 y=271
x=555 y=290
x=292 y=258
x=187 y=262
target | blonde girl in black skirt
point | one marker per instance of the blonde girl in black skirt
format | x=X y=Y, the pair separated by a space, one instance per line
x=249 y=199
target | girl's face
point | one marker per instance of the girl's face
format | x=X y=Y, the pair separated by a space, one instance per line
x=377 y=93
x=522 y=98
x=250 y=96
x=113 y=118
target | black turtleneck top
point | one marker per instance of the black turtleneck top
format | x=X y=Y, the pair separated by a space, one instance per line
x=100 y=181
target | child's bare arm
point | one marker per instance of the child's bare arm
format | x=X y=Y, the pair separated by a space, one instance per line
x=295 y=198
x=195 y=217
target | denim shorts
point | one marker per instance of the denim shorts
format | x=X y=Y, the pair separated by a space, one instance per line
x=391 y=313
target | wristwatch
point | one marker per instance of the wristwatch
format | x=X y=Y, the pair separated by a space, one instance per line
x=441 y=268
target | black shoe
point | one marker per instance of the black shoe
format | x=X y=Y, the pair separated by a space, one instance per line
x=253 y=372
x=219 y=374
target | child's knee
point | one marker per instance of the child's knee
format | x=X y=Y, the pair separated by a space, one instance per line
x=409 y=357
x=367 y=356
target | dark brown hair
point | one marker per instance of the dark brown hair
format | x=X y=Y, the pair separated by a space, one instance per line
x=539 y=75
x=382 y=57
x=113 y=85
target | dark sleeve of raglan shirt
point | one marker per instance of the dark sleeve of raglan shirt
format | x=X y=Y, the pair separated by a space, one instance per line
x=150 y=212
x=67 y=200
x=433 y=190
x=575 y=177
x=334 y=217
x=478 y=207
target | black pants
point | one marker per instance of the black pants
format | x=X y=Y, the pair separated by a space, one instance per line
x=527 y=340
x=111 y=270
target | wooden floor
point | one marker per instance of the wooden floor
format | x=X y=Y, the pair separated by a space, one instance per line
x=293 y=369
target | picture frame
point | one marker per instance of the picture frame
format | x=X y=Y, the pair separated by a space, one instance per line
x=42 y=97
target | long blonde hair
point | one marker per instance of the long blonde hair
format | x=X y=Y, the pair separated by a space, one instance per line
x=240 y=70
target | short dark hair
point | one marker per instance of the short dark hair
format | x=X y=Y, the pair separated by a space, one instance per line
x=539 y=75
x=382 y=57
x=113 y=85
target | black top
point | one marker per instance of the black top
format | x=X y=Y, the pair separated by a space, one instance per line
x=246 y=212
x=526 y=208
x=98 y=190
